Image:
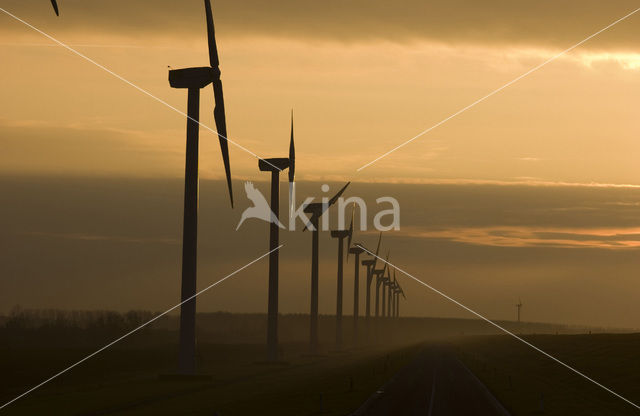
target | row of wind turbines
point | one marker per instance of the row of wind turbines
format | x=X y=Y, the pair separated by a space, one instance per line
x=194 y=79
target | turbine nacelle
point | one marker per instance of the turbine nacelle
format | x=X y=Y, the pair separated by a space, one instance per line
x=357 y=249
x=339 y=233
x=316 y=209
x=198 y=77
x=273 y=164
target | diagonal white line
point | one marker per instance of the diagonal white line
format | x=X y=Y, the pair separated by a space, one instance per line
x=142 y=90
x=505 y=330
x=478 y=101
x=138 y=328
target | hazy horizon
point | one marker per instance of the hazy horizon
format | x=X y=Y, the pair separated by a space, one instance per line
x=114 y=243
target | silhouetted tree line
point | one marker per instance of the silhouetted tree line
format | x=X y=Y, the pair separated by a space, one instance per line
x=78 y=327
x=20 y=318
x=81 y=328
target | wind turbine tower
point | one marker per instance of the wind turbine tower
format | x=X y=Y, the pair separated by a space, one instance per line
x=399 y=292
x=275 y=166
x=379 y=273
x=356 y=250
x=391 y=285
x=194 y=79
x=371 y=266
x=316 y=209
x=341 y=235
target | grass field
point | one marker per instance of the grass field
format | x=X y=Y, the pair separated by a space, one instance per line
x=528 y=383
x=125 y=381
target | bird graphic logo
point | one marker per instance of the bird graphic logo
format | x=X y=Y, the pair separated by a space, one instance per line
x=260 y=208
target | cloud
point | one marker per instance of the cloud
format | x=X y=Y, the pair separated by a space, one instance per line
x=29 y=146
x=104 y=238
x=516 y=236
x=543 y=23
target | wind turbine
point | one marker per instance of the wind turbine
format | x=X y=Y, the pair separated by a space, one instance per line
x=399 y=292
x=394 y=295
x=316 y=209
x=380 y=280
x=341 y=235
x=385 y=284
x=55 y=7
x=371 y=265
x=391 y=285
x=275 y=165
x=519 y=306
x=356 y=250
x=379 y=274
x=193 y=79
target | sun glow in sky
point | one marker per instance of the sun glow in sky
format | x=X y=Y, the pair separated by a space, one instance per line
x=355 y=98
x=362 y=78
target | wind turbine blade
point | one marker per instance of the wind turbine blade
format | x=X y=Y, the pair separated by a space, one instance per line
x=221 y=127
x=292 y=154
x=309 y=223
x=292 y=170
x=334 y=199
x=211 y=36
x=55 y=7
x=384 y=268
x=292 y=198
x=218 y=111
x=386 y=264
x=336 y=196
x=375 y=259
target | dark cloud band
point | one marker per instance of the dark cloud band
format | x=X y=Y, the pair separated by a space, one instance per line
x=543 y=23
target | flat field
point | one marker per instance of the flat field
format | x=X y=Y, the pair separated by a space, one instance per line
x=528 y=383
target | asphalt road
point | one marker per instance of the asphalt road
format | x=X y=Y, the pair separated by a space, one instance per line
x=434 y=384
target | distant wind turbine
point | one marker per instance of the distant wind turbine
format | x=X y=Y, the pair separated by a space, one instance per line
x=370 y=264
x=275 y=165
x=385 y=284
x=316 y=209
x=340 y=235
x=390 y=284
x=394 y=295
x=399 y=292
x=356 y=250
x=380 y=279
x=519 y=306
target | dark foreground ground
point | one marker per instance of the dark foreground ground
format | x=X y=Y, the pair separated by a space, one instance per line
x=124 y=381
x=436 y=383
x=445 y=375
x=527 y=383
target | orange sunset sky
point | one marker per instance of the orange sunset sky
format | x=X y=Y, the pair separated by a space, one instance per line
x=532 y=193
